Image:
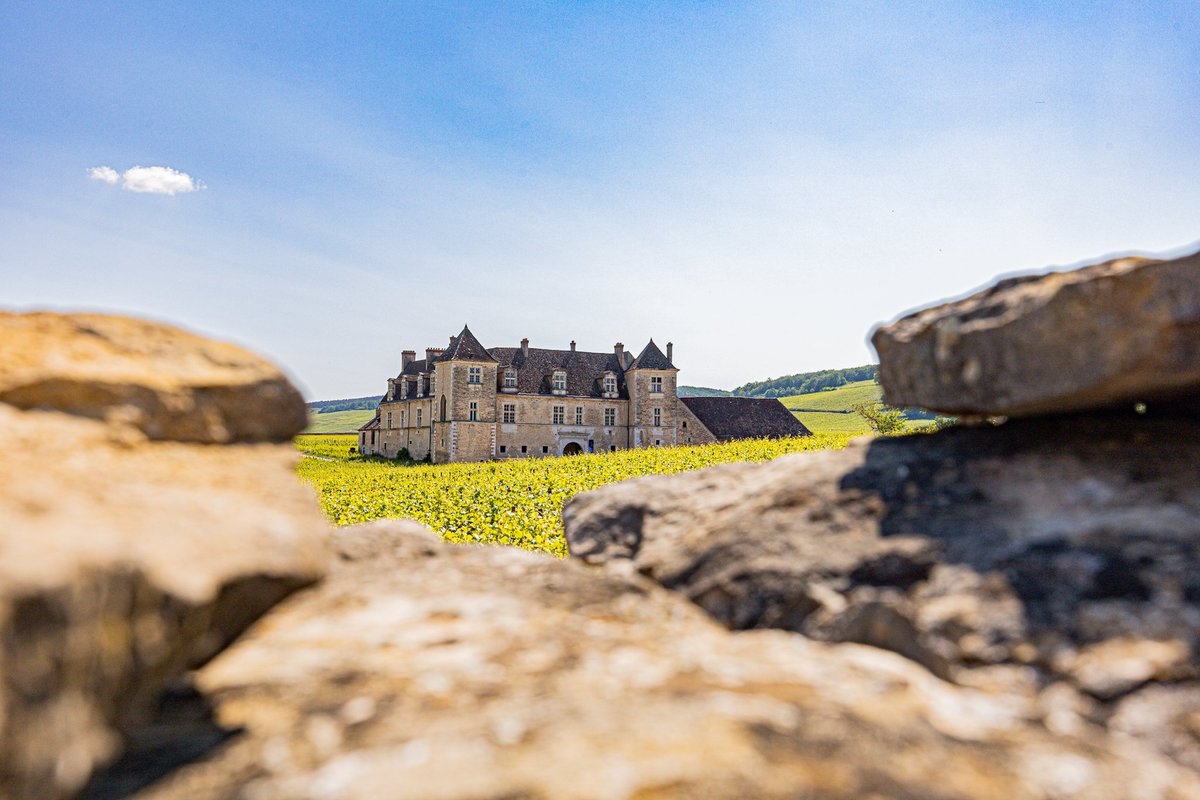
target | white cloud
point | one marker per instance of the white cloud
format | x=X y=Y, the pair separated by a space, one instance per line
x=158 y=180
x=106 y=174
x=148 y=180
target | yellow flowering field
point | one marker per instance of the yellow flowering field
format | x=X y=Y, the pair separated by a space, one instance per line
x=503 y=502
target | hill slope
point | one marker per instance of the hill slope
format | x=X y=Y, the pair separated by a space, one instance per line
x=702 y=391
x=339 y=421
x=805 y=382
x=348 y=404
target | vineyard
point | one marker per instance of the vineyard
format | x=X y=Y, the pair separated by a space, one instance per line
x=512 y=502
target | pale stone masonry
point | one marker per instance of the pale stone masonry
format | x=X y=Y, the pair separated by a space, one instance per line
x=471 y=403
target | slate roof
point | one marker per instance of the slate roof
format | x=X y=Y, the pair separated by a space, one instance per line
x=585 y=371
x=651 y=358
x=745 y=417
x=372 y=425
x=465 y=347
x=415 y=368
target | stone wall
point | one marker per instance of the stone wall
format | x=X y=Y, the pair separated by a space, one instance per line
x=389 y=441
x=642 y=403
x=691 y=429
x=536 y=430
x=995 y=611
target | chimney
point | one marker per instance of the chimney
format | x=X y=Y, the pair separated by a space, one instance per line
x=430 y=352
x=525 y=348
x=619 y=349
x=572 y=345
x=670 y=352
x=406 y=358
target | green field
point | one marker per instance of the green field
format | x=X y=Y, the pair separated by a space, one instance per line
x=505 y=502
x=839 y=399
x=831 y=422
x=338 y=421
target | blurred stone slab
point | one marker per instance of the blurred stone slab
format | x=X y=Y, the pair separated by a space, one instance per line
x=1054 y=551
x=1107 y=335
x=168 y=383
x=122 y=562
x=426 y=670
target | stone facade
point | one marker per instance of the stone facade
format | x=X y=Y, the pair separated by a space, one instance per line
x=468 y=403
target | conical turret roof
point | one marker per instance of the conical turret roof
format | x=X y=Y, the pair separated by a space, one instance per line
x=651 y=358
x=465 y=347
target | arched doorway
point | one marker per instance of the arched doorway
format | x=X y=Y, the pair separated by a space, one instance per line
x=572 y=449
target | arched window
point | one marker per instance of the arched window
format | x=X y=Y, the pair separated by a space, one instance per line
x=442 y=415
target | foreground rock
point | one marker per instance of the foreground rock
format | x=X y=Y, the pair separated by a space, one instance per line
x=168 y=383
x=1058 y=552
x=1111 y=334
x=440 y=671
x=125 y=561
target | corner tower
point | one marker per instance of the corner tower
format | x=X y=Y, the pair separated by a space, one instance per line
x=465 y=405
x=651 y=380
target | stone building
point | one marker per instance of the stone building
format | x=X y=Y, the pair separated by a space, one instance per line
x=466 y=402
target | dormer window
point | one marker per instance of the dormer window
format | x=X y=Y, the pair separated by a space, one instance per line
x=559 y=381
x=656 y=384
x=510 y=380
x=610 y=384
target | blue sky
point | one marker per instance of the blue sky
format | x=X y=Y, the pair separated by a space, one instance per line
x=759 y=183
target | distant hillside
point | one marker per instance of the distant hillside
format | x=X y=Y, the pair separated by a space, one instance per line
x=831 y=410
x=339 y=421
x=806 y=382
x=349 y=404
x=701 y=391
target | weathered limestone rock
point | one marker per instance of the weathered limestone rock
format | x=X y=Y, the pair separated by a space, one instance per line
x=124 y=561
x=1107 y=335
x=1051 y=551
x=426 y=670
x=168 y=383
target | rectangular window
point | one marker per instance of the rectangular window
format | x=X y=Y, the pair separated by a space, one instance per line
x=474 y=412
x=401 y=419
x=503 y=449
x=658 y=417
x=612 y=448
x=657 y=442
x=545 y=449
x=610 y=416
x=656 y=385
x=418 y=417
x=510 y=413
x=578 y=415
x=560 y=381
x=559 y=414
x=524 y=448
x=475 y=375
x=610 y=384
x=389 y=419
x=510 y=379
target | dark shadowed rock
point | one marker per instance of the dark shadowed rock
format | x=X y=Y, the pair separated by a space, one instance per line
x=1107 y=335
x=455 y=672
x=1058 y=550
x=168 y=383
